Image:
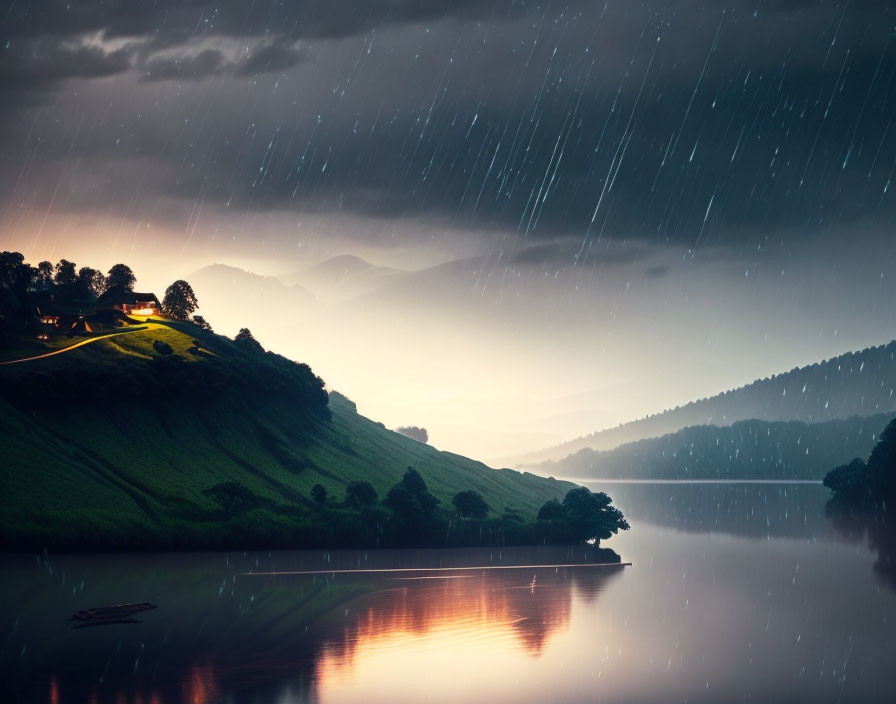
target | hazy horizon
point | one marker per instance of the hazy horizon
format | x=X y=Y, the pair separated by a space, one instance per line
x=618 y=209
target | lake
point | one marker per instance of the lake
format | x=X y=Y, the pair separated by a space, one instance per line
x=737 y=592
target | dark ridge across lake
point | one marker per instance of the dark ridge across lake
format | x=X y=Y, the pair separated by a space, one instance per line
x=592 y=480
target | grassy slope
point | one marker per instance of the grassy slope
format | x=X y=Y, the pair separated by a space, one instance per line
x=135 y=468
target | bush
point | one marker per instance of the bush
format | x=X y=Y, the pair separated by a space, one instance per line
x=233 y=497
x=319 y=494
x=162 y=347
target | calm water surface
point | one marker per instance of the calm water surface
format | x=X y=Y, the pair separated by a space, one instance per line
x=737 y=593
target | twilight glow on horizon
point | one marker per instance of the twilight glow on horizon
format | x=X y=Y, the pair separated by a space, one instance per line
x=570 y=214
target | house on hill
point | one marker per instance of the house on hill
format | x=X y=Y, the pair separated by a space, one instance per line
x=47 y=325
x=53 y=324
x=129 y=302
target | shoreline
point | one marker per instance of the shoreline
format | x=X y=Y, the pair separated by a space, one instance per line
x=346 y=560
x=689 y=481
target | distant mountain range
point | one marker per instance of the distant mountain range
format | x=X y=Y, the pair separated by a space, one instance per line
x=339 y=282
x=301 y=312
x=748 y=449
x=227 y=292
x=343 y=277
x=854 y=384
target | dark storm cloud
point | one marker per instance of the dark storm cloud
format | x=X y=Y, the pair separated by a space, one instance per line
x=558 y=120
x=208 y=62
x=175 y=19
x=45 y=42
x=271 y=57
x=266 y=58
x=44 y=64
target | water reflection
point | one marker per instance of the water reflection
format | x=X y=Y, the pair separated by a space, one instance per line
x=877 y=527
x=464 y=634
x=737 y=593
x=200 y=686
x=516 y=610
x=272 y=636
x=759 y=510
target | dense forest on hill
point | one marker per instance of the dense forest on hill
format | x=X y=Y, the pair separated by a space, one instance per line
x=859 y=383
x=749 y=449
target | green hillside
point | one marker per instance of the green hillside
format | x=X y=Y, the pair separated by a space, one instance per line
x=170 y=436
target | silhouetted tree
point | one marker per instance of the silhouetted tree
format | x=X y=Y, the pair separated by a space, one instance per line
x=121 y=275
x=871 y=483
x=848 y=479
x=413 y=482
x=180 y=301
x=470 y=504
x=319 y=493
x=201 y=322
x=15 y=280
x=360 y=495
x=245 y=339
x=862 y=504
x=551 y=511
x=65 y=277
x=42 y=280
x=412 y=505
x=583 y=516
x=15 y=274
x=90 y=284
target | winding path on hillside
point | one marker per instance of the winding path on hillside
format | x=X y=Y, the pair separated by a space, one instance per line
x=147 y=326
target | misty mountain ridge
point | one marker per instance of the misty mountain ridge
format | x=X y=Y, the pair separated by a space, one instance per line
x=228 y=294
x=225 y=284
x=349 y=297
x=861 y=383
x=747 y=449
x=342 y=277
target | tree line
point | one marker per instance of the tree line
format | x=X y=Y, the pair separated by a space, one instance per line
x=410 y=515
x=25 y=288
x=241 y=366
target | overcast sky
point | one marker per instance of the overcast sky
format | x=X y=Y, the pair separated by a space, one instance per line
x=704 y=188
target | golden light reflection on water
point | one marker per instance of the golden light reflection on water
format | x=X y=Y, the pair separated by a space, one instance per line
x=464 y=632
x=456 y=632
x=200 y=685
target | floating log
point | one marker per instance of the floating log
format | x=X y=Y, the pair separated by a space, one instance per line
x=108 y=615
